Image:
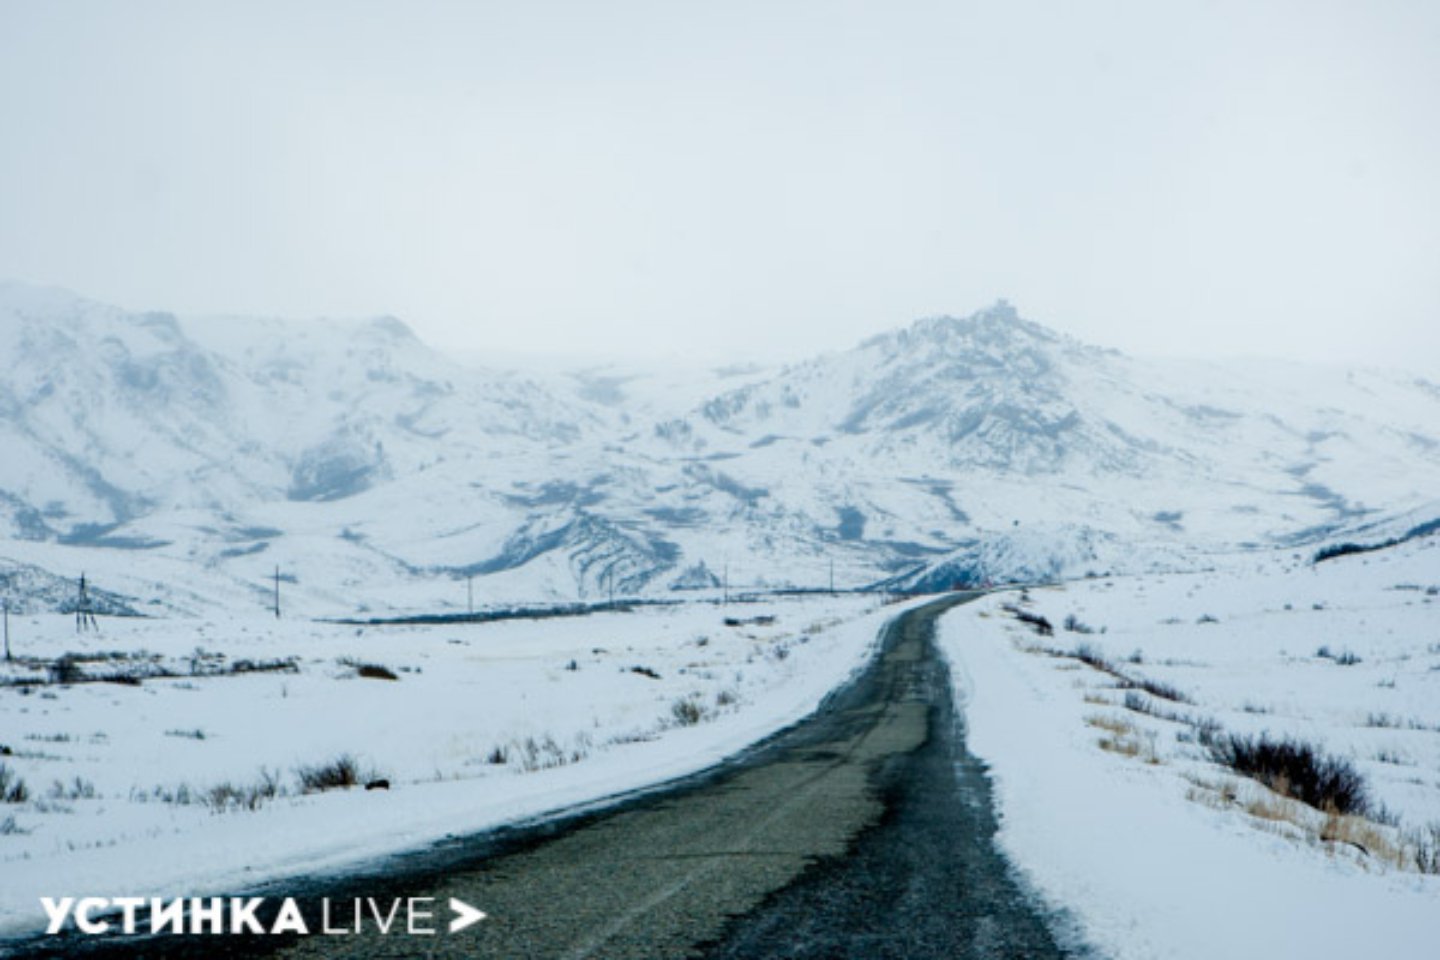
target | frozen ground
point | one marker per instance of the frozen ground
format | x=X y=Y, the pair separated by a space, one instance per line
x=147 y=788
x=1153 y=848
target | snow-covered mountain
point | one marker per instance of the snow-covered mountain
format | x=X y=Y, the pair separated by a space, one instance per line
x=183 y=461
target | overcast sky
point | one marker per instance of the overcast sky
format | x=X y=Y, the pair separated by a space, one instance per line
x=732 y=179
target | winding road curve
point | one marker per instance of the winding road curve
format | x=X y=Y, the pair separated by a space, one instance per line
x=864 y=831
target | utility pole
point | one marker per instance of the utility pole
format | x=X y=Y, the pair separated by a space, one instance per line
x=84 y=619
x=726 y=582
x=832 y=576
x=610 y=576
x=277 y=591
x=470 y=594
x=7 y=629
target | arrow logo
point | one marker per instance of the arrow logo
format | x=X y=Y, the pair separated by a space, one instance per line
x=465 y=915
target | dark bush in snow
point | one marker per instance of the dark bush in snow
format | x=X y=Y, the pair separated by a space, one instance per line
x=343 y=771
x=1296 y=769
x=12 y=788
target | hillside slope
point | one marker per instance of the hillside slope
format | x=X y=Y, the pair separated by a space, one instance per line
x=184 y=460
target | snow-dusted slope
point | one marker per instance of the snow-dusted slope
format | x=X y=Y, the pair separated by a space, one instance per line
x=109 y=415
x=1018 y=451
x=184 y=460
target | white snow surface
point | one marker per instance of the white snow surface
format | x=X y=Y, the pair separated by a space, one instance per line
x=462 y=692
x=1143 y=853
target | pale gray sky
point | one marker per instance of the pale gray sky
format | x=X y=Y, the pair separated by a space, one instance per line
x=740 y=179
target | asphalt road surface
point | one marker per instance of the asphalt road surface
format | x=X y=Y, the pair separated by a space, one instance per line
x=865 y=831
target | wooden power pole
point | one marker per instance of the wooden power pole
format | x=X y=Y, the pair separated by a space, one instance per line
x=277 y=591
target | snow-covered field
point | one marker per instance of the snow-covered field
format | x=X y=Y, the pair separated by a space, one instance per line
x=1153 y=848
x=149 y=787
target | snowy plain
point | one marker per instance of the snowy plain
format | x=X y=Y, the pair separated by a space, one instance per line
x=1147 y=845
x=123 y=778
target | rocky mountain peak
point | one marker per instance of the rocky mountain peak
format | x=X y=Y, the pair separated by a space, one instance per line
x=996 y=331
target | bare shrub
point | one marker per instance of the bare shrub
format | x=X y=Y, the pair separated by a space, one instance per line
x=1088 y=654
x=1207 y=731
x=1425 y=848
x=67 y=670
x=1296 y=769
x=582 y=747
x=78 y=789
x=286 y=665
x=342 y=772
x=370 y=671
x=12 y=787
x=1036 y=622
x=1345 y=658
x=1157 y=689
x=221 y=796
x=1148 y=706
x=689 y=711
x=226 y=797
x=1134 y=701
x=180 y=795
x=541 y=754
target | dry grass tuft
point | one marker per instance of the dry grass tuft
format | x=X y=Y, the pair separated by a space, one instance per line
x=1364 y=836
x=1118 y=726
x=1123 y=738
x=1124 y=746
x=1208 y=798
x=1268 y=806
x=1368 y=842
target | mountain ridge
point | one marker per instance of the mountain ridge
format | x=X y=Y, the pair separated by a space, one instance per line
x=149 y=444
